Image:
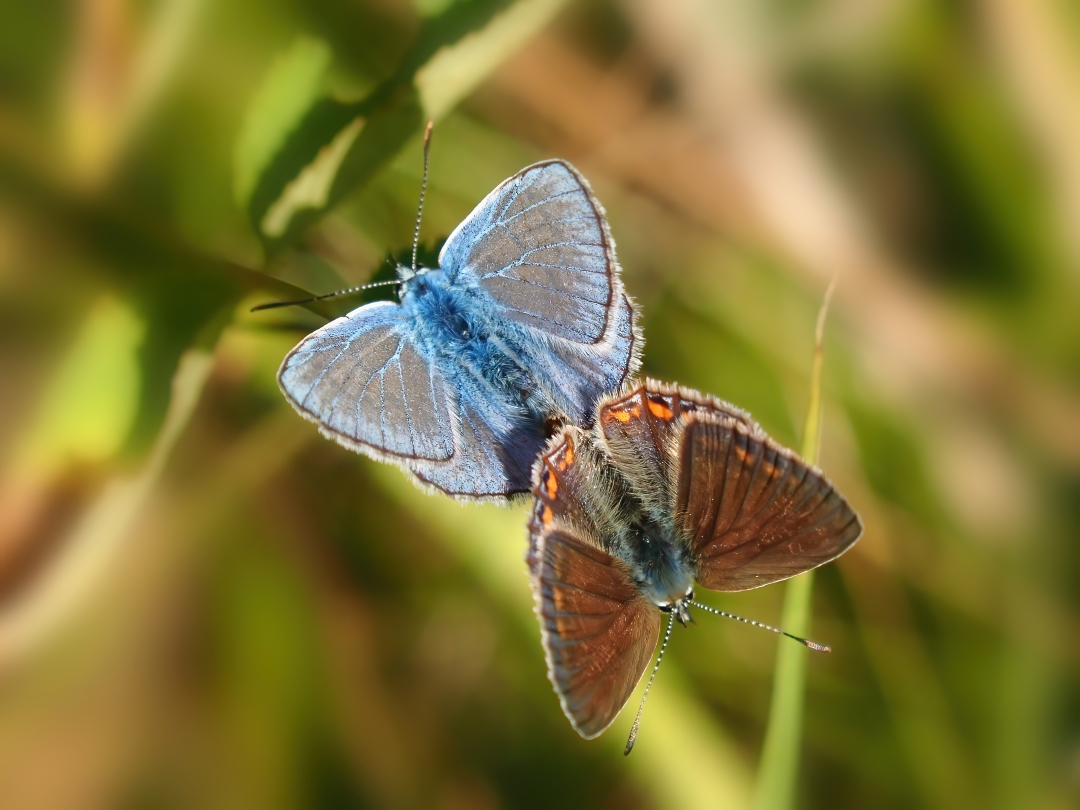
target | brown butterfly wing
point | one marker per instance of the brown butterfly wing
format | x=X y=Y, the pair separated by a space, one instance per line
x=755 y=512
x=598 y=631
x=573 y=490
x=637 y=427
x=558 y=484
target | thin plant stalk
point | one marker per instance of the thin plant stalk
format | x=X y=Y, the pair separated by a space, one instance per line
x=779 y=770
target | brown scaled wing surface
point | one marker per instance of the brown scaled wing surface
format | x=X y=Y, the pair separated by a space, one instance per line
x=598 y=631
x=638 y=428
x=755 y=512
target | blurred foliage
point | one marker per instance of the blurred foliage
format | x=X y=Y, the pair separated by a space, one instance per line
x=204 y=603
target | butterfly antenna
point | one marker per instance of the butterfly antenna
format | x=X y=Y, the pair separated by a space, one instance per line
x=335 y=294
x=813 y=645
x=641 y=707
x=423 y=191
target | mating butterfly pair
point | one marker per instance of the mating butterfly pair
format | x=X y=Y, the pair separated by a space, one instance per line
x=525 y=329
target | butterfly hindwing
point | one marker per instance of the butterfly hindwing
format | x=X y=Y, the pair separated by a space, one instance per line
x=582 y=374
x=487 y=461
x=576 y=490
x=560 y=487
x=597 y=629
x=754 y=513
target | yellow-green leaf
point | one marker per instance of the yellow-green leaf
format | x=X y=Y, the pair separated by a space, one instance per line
x=290 y=88
x=91 y=402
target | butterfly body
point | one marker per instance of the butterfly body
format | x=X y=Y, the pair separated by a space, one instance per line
x=451 y=325
x=669 y=490
x=522 y=327
x=650 y=547
x=662 y=571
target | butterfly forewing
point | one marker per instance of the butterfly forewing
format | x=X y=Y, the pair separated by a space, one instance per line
x=754 y=512
x=363 y=381
x=539 y=245
x=598 y=631
x=638 y=428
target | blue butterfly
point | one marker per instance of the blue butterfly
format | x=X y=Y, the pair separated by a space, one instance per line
x=522 y=327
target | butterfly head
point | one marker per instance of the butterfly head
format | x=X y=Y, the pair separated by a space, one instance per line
x=405 y=273
x=417 y=282
x=680 y=608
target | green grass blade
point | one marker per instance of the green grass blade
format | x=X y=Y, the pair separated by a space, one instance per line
x=779 y=769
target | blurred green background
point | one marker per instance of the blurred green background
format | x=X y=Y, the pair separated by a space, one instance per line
x=205 y=604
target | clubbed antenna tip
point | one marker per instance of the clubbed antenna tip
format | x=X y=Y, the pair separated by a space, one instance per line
x=813 y=645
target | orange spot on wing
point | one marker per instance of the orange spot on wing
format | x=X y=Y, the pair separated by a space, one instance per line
x=552 y=484
x=564 y=456
x=547 y=516
x=742 y=454
x=660 y=410
x=624 y=414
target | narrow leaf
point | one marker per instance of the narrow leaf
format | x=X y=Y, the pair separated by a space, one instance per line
x=779 y=770
x=290 y=177
x=97 y=539
x=455 y=71
x=311 y=188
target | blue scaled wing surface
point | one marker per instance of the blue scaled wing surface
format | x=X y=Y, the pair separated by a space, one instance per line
x=368 y=386
x=540 y=247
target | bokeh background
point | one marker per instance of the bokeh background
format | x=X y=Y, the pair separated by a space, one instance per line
x=205 y=604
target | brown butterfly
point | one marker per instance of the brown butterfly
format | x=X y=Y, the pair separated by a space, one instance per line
x=670 y=489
